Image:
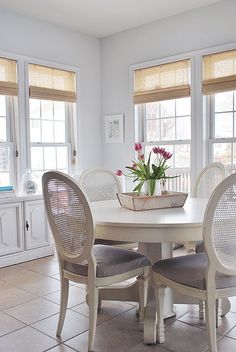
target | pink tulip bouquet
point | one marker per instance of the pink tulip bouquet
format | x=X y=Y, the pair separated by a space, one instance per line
x=143 y=171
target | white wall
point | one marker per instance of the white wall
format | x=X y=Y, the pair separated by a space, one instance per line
x=23 y=36
x=205 y=27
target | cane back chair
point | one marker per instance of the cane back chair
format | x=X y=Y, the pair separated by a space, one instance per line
x=97 y=266
x=208 y=275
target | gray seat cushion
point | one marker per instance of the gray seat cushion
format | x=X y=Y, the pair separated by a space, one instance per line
x=190 y=270
x=111 y=261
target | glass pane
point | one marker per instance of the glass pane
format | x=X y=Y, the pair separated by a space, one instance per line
x=234 y=124
x=4 y=158
x=36 y=158
x=224 y=125
x=62 y=157
x=35 y=131
x=2 y=105
x=152 y=110
x=222 y=153
x=49 y=158
x=38 y=177
x=59 y=132
x=167 y=129
x=3 y=129
x=182 y=156
x=183 y=107
x=65 y=171
x=5 y=179
x=47 y=109
x=224 y=101
x=234 y=154
x=168 y=148
x=183 y=128
x=167 y=108
x=34 y=106
x=47 y=131
x=153 y=130
x=59 y=110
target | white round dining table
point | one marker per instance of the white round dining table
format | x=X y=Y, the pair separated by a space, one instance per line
x=151 y=226
x=155 y=231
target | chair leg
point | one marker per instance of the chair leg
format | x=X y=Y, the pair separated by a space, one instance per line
x=63 y=304
x=218 y=313
x=143 y=288
x=201 y=309
x=160 y=295
x=93 y=310
x=87 y=298
x=210 y=311
x=190 y=246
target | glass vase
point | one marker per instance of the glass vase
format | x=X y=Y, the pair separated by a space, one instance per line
x=152 y=187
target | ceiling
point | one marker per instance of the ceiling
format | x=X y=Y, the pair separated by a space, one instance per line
x=101 y=18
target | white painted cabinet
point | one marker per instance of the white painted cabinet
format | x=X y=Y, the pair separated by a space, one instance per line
x=24 y=231
x=36 y=226
x=11 y=239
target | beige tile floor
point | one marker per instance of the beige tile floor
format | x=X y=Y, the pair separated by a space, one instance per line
x=29 y=306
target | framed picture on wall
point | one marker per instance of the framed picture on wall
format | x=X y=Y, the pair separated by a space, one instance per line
x=114 y=128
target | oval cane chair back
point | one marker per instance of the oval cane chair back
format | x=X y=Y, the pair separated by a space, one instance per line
x=208 y=179
x=69 y=216
x=219 y=228
x=100 y=184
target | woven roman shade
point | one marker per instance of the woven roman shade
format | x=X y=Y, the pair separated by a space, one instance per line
x=219 y=72
x=162 y=82
x=51 y=83
x=8 y=77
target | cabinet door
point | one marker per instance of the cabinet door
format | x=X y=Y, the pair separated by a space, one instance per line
x=11 y=239
x=36 y=226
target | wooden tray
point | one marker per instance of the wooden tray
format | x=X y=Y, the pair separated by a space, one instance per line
x=143 y=202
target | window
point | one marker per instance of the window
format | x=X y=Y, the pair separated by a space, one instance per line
x=163 y=108
x=223 y=129
x=8 y=89
x=51 y=115
x=49 y=142
x=219 y=83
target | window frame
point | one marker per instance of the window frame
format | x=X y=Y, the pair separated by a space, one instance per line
x=72 y=141
x=200 y=108
x=140 y=114
x=11 y=140
x=67 y=142
x=210 y=101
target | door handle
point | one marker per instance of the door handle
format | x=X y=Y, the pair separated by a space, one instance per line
x=27 y=225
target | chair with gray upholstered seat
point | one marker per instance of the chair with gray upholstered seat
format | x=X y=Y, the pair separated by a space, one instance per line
x=97 y=266
x=208 y=179
x=206 y=182
x=100 y=184
x=209 y=275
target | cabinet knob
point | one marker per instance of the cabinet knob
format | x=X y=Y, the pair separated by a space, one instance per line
x=27 y=225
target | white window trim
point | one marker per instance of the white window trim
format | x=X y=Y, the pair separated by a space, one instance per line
x=21 y=133
x=27 y=115
x=200 y=113
x=212 y=139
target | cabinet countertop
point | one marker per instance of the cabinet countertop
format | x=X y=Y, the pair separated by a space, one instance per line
x=19 y=198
